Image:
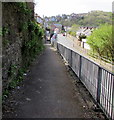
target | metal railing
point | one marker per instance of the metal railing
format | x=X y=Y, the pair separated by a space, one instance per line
x=98 y=81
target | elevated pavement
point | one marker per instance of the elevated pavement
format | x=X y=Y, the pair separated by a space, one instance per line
x=49 y=91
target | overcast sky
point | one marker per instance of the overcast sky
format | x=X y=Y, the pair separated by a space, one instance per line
x=55 y=7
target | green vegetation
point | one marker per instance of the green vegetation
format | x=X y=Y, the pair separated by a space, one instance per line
x=5 y=42
x=101 y=42
x=82 y=37
x=75 y=27
x=93 y=18
x=12 y=70
x=0 y=31
x=23 y=8
x=5 y=31
x=72 y=33
x=29 y=35
x=73 y=30
x=32 y=47
x=15 y=79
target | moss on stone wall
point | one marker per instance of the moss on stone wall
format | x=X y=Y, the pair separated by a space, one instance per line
x=22 y=40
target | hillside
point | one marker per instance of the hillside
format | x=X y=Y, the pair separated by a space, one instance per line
x=93 y=18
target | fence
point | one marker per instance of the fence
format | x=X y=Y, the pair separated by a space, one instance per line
x=98 y=81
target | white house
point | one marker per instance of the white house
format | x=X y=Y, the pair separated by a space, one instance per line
x=87 y=32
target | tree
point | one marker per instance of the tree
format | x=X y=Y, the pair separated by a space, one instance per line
x=75 y=27
x=101 y=41
x=73 y=30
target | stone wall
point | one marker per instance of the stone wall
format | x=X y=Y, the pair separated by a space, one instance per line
x=15 y=34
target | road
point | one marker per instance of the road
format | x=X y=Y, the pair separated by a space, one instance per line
x=70 y=44
x=64 y=41
x=49 y=91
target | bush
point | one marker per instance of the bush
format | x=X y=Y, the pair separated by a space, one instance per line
x=101 y=41
x=34 y=45
x=73 y=30
x=82 y=37
x=72 y=33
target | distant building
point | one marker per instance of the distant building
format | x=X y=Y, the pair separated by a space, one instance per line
x=46 y=19
x=39 y=19
x=58 y=25
x=87 y=32
x=53 y=18
x=46 y=25
x=54 y=26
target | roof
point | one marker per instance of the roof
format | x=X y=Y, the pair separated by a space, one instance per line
x=58 y=25
x=85 y=30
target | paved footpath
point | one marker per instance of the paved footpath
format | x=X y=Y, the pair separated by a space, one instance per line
x=48 y=91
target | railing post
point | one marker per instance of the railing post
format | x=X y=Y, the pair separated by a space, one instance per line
x=112 y=113
x=80 y=66
x=99 y=84
x=71 y=59
x=57 y=47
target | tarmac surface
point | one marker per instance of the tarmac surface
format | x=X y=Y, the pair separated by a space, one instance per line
x=50 y=91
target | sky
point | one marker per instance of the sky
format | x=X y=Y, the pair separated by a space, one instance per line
x=59 y=7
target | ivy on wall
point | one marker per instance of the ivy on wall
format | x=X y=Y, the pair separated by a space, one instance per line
x=34 y=45
x=31 y=35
